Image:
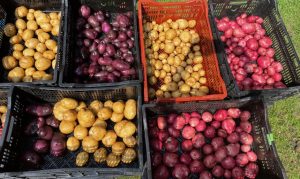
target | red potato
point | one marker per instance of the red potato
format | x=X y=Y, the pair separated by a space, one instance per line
x=156 y=145
x=161 y=172
x=245 y=116
x=198 y=141
x=252 y=157
x=228 y=125
x=195 y=154
x=207 y=117
x=248 y=28
x=223 y=26
x=57 y=145
x=222 y=133
x=234 y=112
x=239 y=33
x=194 y=121
x=209 y=161
x=207 y=149
x=241 y=159
x=218 y=171
x=233 y=138
x=228 y=163
x=201 y=126
x=41 y=110
x=153 y=132
x=171 y=144
x=210 y=132
x=170 y=159
x=251 y=170
x=187 y=117
x=227 y=174
x=196 y=166
x=216 y=124
x=245 y=148
x=156 y=159
x=163 y=135
x=179 y=122
x=205 y=175
x=188 y=132
x=171 y=118
x=264 y=62
x=246 y=126
x=173 y=132
x=161 y=122
x=252 y=44
x=185 y=158
x=233 y=149
x=220 y=154
x=187 y=145
x=246 y=138
x=265 y=42
x=220 y=115
x=196 y=115
x=238 y=172
x=277 y=66
x=180 y=171
x=217 y=142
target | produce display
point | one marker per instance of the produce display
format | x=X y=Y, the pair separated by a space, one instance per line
x=34 y=45
x=42 y=126
x=206 y=145
x=250 y=54
x=88 y=126
x=3 y=110
x=174 y=59
x=106 y=43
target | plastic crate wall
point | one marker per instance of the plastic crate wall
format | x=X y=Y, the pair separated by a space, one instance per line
x=268 y=160
x=13 y=143
x=7 y=9
x=68 y=66
x=275 y=28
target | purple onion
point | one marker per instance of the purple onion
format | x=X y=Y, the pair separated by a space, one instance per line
x=110 y=49
x=116 y=73
x=122 y=36
x=104 y=61
x=130 y=43
x=129 y=58
x=98 y=29
x=101 y=48
x=85 y=11
x=111 y=35
x=41 y=146
x=93 y=69
x=129 y=33
x=115 y=24
x=124 y=50
x=87 y=42
x=109 y=68
x=99 y=16
x=106 y=27
x=128 y=72
x=94 y=56
x=93 y=47
x=90 y=33
x=101 y=76
x=107 y=14
x=105 y=40
x=123 y=20
x=98 y=41
x=124 y=45
x=93 y=21
x=123 y=29
x=111 y=78
x=106 y=54
x=87 y=26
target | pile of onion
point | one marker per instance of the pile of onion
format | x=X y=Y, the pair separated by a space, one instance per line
x=207 y=145
x=250 y=54
x=105 y=47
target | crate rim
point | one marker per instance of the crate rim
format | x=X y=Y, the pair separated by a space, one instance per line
x=220 y=96
x=62 y=83
x=7 y=130
x=236 y=92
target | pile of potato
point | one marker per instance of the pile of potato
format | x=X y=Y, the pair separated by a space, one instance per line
x=3 y=110
x=34 y=50
x=174 y=60
x=88 y=128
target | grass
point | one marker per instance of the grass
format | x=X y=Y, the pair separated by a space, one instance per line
x=284 y=115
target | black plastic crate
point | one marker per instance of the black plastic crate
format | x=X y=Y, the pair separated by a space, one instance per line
x=66 y=78
x=7 y=15
x=62 y=167
x=269 y=163
x=276 y=30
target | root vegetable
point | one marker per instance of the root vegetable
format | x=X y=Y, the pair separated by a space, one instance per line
x=161 y=172
x=180 y=171
x=188 y=132
x=170 y=159
x=41 y=146
x=207 y=117
x=220 y=115
x=205 y=175
x=220 y=154
x=163 y=135
x=217 y=142
x=201 y=126
x=173 y=132
x=228 y=163
x=161 y=123
x=30 y=160
x=209 y=161
x=238 y=172
x=195 y=154
x=209 y=132
x=241 y=159
x=196 y=166
x=233 y=149
x=58 y=145
x=251 y=170
x=246 y=138
x=207 y=149
x=187 y=145
x=252 y=157
x=185 y=158
x=171 y=144
x=156 y=159
x=218 y=171
x=156 y=145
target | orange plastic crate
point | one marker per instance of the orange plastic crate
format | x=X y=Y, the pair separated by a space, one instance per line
x=198 y=10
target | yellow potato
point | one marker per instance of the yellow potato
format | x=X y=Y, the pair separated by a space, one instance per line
x=29 y=71
x=38 y=75
x=42 y=64
x=28 y=52
x=32 y=25
x=9 y=62
x=16 y=74
x=26 y=62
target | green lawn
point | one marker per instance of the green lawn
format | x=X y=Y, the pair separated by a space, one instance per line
x=284 y=115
